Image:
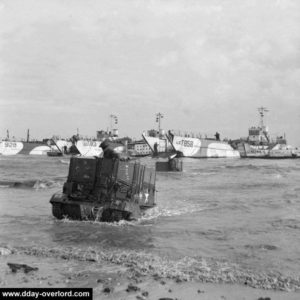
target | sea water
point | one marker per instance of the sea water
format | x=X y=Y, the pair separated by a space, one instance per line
x=220 y=220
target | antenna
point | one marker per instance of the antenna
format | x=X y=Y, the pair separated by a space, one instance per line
x=159 y=116
x=261 y=111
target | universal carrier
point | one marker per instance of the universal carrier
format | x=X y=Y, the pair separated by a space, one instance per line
x=105 y=190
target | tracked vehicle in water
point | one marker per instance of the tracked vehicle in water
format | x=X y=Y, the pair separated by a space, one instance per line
x=105 y=189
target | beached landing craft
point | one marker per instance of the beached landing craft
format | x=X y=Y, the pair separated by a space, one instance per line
x=90 y=146
x=259 y=143
x=12 y=146
x=189 y=145
x=19 y=147
x=158 y=142
x=105 y=189
x=200 y=147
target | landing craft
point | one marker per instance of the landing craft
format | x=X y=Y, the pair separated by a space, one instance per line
x=260 y=144
x=12 y=146
x=189 y=145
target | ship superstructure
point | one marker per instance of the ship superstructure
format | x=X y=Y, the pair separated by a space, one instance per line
x=260 y=144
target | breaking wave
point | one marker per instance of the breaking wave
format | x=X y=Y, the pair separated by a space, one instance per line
x=248 y=167
x=286 y=224
x=64 y=161
x=262 y=247
x=157 y=211
x=36 y=184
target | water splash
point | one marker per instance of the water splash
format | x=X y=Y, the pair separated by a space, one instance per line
x=64 y=161
x=159 y=211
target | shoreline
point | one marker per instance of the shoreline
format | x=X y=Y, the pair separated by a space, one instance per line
x=111 y=280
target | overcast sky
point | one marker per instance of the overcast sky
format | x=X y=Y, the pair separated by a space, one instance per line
x=207 y=65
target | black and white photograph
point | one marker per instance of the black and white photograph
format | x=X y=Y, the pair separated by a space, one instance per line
x=150 y=149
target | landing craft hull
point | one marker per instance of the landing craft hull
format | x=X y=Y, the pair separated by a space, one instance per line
x=192 y=147
x=92 y=148
x=63 y=145
x=25 y=148
x=203 y=148
x=163 y=144
x=275 y=152
x=89 y=148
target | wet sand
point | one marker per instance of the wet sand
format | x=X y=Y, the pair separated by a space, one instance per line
x=111 y=280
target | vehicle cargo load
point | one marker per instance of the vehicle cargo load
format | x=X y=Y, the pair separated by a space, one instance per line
x=105 y=190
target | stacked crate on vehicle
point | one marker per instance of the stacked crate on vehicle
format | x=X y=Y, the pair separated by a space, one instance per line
x=124 y=181
x=148 y=186
x=104 y=178
x=81 y=177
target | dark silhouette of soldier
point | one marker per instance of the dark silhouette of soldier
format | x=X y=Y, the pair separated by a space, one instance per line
x=155 y=149
x=217 y=135
x=108 y=152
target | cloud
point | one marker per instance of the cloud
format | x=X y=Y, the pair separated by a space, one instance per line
x=192 y=59
x=168 y=59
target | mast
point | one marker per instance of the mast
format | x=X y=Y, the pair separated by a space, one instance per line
x=264 y=129
x=159 y=116
x=261 y=111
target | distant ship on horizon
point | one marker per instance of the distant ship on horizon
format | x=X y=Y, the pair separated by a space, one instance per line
x=260 y=144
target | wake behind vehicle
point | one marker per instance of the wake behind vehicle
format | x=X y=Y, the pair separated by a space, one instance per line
x=105 y=189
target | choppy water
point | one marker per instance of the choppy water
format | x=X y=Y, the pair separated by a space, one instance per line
x=219 y=220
